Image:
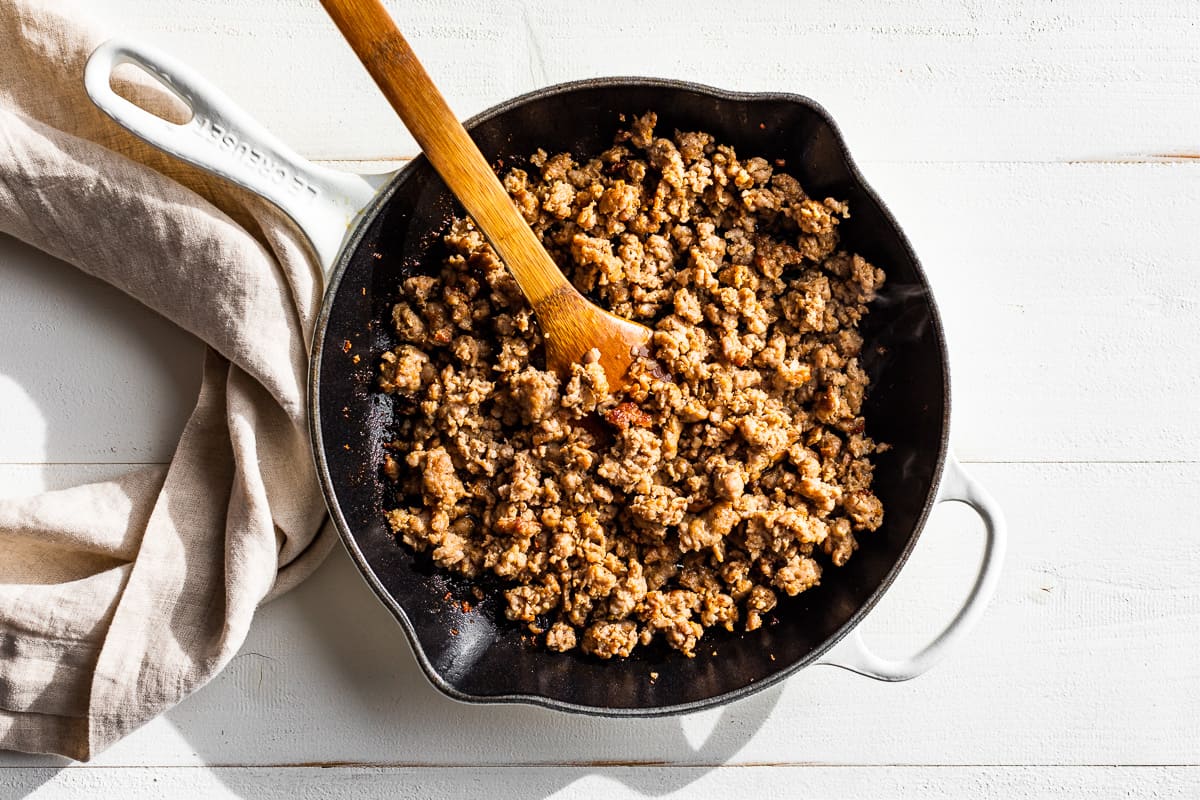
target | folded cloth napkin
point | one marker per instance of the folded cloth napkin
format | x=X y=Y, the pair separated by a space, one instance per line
x=118 y=599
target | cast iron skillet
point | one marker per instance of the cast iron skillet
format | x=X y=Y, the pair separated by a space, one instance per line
x=476 y=655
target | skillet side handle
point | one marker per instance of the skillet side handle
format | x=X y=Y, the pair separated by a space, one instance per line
x=853 y=654
x=224 y=140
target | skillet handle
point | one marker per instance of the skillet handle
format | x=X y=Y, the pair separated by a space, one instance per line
x=224 y=140
x=853 y=654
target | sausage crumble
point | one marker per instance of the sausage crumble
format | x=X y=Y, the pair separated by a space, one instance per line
x=678 y=504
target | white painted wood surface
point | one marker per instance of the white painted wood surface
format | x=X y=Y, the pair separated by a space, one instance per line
x=1033 y=153
x=759 y=782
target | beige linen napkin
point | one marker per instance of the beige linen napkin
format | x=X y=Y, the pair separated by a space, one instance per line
x=119 y=599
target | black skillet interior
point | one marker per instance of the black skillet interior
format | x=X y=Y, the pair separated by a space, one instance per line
x=476 y=654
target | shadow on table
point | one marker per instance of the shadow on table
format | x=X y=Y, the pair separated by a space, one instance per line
x=339 y=637
x=22 y=774
x=133 y=379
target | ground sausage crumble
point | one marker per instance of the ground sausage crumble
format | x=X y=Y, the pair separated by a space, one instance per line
x=678 y=504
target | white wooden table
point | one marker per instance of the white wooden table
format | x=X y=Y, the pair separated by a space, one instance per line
x=1043 y=159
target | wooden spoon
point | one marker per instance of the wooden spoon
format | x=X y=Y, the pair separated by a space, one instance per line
x=571 y=325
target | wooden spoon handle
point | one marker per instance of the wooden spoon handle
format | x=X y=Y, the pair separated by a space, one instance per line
x=374 y=37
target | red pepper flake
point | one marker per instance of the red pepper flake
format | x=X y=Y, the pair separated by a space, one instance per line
x=346 y=346
x=762 y=126
x=781 y=162
x=356 y=359
x=345 y=447
x=615 y=168
x=447 y=596
x=466 y=607
x=454 y=631
x=626 y=414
